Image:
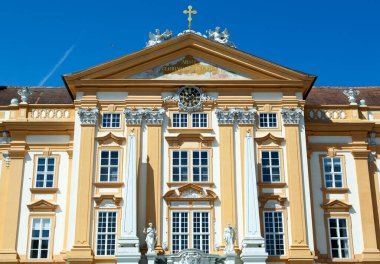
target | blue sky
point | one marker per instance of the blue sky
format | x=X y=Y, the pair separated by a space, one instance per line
x=337 y=40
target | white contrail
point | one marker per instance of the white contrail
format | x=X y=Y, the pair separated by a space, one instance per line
x=59 y=63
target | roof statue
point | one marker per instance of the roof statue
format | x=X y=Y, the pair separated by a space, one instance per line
x=220 y=37
x=158 y=37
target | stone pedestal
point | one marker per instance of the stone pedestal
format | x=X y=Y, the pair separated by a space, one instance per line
x=151 y=257
x=231 y=258
x=128 y=251
x=253 y=251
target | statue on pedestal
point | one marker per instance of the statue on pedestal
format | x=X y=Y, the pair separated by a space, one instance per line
x=151 y=238
x=229 y=237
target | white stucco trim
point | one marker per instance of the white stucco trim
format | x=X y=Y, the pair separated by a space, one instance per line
x=330 y=139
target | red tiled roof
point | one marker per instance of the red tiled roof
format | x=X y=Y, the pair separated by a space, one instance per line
x=329 y=95
x=40 y=95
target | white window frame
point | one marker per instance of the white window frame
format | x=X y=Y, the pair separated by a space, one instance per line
x=333 y=173
x=267 y=114
x=271 y=166
x=199 y=120
x=190 y=234
x=106 y=233
x=111 y=120
x=45 y=172
x=339 y=238
x=180 y=124
x=190 y=166
x=40 y=237
x=274 y=233
x=182 y=234
x=108 y=166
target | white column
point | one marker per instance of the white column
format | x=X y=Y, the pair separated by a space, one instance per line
x=128 y=244
x=253 y=250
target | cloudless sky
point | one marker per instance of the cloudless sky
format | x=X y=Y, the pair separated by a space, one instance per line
x=337 y=40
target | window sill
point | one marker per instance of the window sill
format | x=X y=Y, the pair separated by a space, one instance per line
x=43 y=190
x=109 y=184
x=334 y=190
x=179 y=184
x=271 y=184
x=190 y=129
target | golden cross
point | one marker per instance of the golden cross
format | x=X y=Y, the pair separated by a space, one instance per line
x=190 y=12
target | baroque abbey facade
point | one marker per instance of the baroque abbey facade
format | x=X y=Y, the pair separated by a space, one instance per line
x=231 y=158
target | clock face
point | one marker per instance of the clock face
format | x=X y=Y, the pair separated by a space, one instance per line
x=190 y=97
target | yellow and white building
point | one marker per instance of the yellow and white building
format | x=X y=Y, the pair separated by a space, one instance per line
x=191 y=136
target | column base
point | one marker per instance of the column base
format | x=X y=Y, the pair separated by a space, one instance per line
x=301 y=255
x=253 y=251
x=9 y=257
x=80 y=255
x=371 y=256
x=128 y=251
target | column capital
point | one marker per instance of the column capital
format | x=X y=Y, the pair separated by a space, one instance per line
x=291 y=116
x=238 y=115
x=88 y=116
x=152 y=116
x=361 y=153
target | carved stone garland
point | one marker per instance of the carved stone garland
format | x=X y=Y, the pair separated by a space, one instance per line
x=240 y=116
x=152 y=116
x=203 y=98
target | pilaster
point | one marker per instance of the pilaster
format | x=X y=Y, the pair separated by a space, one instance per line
x=370 y=252
x=81 y=251
x=10 y=190
x=299 y=249
x=154 y=120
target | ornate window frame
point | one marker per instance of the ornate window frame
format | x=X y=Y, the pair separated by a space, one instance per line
x=35 y=190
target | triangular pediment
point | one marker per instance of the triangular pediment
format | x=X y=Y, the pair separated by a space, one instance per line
x=189 y=192
x=42 y=205
x=336 y=205
x=188 y=58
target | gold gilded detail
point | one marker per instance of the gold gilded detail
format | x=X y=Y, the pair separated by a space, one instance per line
x=190 y=12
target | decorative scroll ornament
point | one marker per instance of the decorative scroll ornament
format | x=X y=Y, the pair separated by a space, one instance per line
x=220 y=37
x=158 y=38
x=190 y=258
x=88 y=116
x=229 y=237
x=24 y=92
x=152 y=116
x=240 y=116
x=198 y=99
x=291 y=115
x=351 y=95
x=151 y=237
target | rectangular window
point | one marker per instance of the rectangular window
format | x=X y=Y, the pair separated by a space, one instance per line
x=180 y=120
x=109 y=165
x=111 y=120
x=274 y=233
x=106 y=233
x=199 y=120
x=40 y=238
x=332 y=168
x=267 y=120
x=270 y=166
x=201 y=231
x=200 y=166
x=181 y=231
x=180 y=166
x=45 y=172
x=339 y=242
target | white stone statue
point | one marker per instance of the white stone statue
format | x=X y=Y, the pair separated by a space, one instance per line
x=158 y=37
x=229 y=237
x=151 y=237
x=220 y=37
